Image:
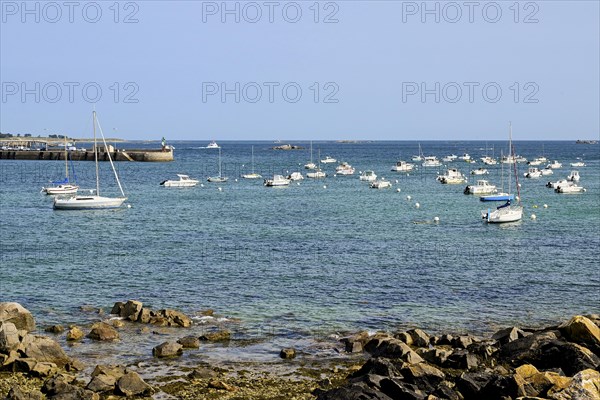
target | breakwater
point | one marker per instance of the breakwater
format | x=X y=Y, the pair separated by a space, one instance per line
x=146 y=155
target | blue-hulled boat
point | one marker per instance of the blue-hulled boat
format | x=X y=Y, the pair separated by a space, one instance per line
x=498 y=197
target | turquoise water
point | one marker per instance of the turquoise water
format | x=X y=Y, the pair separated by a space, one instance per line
x=306 y=261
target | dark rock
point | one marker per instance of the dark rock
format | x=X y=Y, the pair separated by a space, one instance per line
x=18 y=315
x=167 y=349
x=216 y=336
x=507 y=335
x=116 y=371
x=102 y=383
x=131 y=310
x=55 y=329
x=74 y=365
x=424 y=376
x=42 y=348
x=570 y=357
x=357 y=391
x=202 y=373
x=462 y=359
x=103 y=331
x=392 y=348
x=445 y=340
x=177 y=318
x=24 y=365
x=470 y=384
x=378 y=366
x=16 y=393
x=501 y=387
x=400 y=390
x=445 y=390
x=584 y=385
x=483 y=350
x=355 y=343
x=9 y=337
x=405 y=337
x=189 y=342
x=117 y=308
x=57 y=388
x=462 y=342
x=131 y=384
x=524 y=346
x=287 y=354
x=435 y=356
x=419 y=337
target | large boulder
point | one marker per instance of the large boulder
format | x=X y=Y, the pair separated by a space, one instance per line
x=525 y=346
x=167 y=349
x=131 y=310
x=582 y=330
x=131 y=384
x=177 y=318
x=9 y=337
x=44 y=349
x=422 y=375
x=419 y=337
x=74 y=334
x=584 y=385
x=570 y=357
x=102 y=383
x=16 y=393
x=18 y=315
x=356 y=391
x=216 y=336
x=103 y=331
x=392 y=348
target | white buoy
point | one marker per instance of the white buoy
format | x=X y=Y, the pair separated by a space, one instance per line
x=236 y=179
x=417 y=205
x=408 y=198
x=396 y=180
x=202 y=185
x=128 y=205
x=324 y=186
x=436 y=219
x=220 y=189
x=298 y=183
x=533 y=216
x=519 y=185
x=545 y=205
x=398 y=190
x=517 y=198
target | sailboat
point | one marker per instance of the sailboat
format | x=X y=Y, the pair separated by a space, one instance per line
x=311 y=164
x=502 y=196
x=64 y=186
x=252 y=175
x=507 y=212
x=420 y=156
x=93 y=202
x=318 y=174
x=220 y=178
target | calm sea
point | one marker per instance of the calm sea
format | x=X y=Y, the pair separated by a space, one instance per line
x=297 y=264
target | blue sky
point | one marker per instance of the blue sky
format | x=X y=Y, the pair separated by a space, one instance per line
x=365 y=70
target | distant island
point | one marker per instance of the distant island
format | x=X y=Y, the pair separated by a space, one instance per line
x=586 y=141
x=287 y=147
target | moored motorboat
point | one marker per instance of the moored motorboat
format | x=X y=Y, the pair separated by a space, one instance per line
x=277 y=180
x=573 y=176
x=431 y=161
x=554 y=165
x=546 y=171
x=554 y=185
x=481 y=187
x=403 y=166
x=295 y=176
x=578 y=164
x=533 y=173
x=184 y=181
x=570 y=187
x=480 y=171
x=380 y=184
x=344 y=169
x=328 y=160
x=368 y=176
x=212 y=145
x=451 y=176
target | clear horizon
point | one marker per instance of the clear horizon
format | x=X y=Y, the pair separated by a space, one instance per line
x=320 y=70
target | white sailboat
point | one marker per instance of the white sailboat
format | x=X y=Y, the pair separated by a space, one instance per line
x=220 y=178
x=252 y=175
x=64 y=186
x=318 y=174
x=93 y=202
x=507 y=212
x=311 y=164
x=418 y=157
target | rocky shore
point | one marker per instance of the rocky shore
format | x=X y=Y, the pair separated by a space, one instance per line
x=559 y=362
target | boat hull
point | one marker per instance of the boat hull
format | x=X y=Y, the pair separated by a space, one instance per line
x=88 y=203
x=66 y=189
x=497 y=197
x=503 y=215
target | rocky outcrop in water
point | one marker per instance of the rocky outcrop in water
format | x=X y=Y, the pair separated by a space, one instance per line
x=18 y=315
x=559 y=363
x=135 y=311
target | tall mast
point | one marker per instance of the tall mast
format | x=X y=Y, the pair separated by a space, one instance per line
x=252 y=159
x=311 y=158
x=96 y=156
x=510 y=153
x=219 y=162
x=66 y=160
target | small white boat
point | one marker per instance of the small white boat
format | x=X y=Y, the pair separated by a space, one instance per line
x=317 y=174
x=220 y=178
x=571 y=187
x=556 y=184
x=489 y=160
x=554 y=165
x=431 y=161
x=278 y=180
x=578 y=164
x=450 y=158
x=368 y=176
x=380 y=184
x=403 y=166
x=184 y=181
x=537 y=161
x=533 y=173
x=520 y=159
x=418 y=157
x=573 y=176
x=311 y=164
x=452 y=176
x=213 y=145
x=546 y=171
x=344 y=169
x=295 y=176
x=481 y=187
x=503 y=214
x=465 y=157
x=508 y=160
x=328 y=160
x=64 y=186
x=480 y=171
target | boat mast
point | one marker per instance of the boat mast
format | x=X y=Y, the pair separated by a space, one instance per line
x=96 y=155
x=66 y=161
x=219 y=162
x=311 y=156
x=253 y=159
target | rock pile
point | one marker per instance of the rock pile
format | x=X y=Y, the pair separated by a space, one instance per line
x=560 y=363
x=135 y=311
